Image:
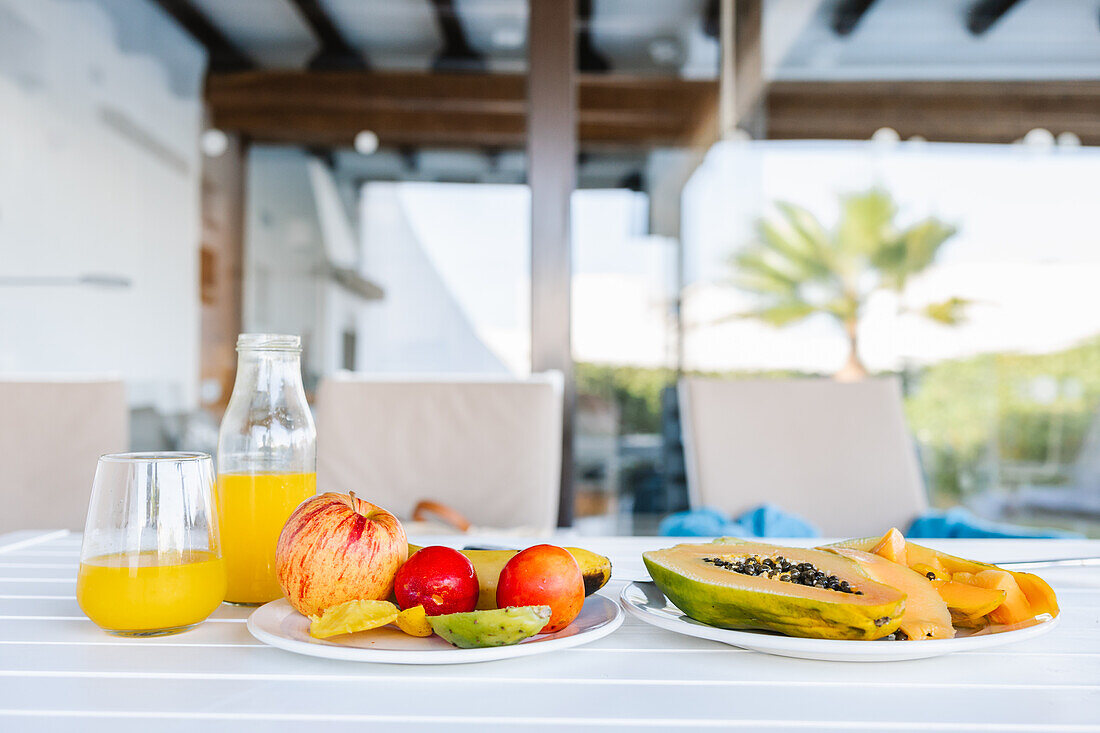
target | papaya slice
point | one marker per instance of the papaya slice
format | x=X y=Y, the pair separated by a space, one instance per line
x=750 y=585
x=968 y=603
x=1040 y=596
x=929 y=572
x=892 y=547
x=1015 y=608
x=925 y=615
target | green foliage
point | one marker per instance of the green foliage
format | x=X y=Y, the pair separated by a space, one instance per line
x=797 y=268
x=636 y=391
x=1000 y=419
x=980 y=423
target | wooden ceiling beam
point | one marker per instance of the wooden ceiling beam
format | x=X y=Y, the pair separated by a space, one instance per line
x=223 y=54
x=457 y=54
x=980 y=112
x=848 y=14
x=335 y=51
x=983 y=14
x=414 y=108
x=589 y=59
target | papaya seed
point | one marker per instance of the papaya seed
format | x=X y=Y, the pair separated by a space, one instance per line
x=779 y=568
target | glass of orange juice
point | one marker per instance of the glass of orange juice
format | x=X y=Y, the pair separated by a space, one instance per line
x=151 y=561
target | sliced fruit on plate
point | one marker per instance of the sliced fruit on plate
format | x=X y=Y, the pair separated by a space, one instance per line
x=1039 y=596
x=930 y=572
x=892 y=547
x=496 y=627
x=925 y=615
x=1015 y=608
x=735 y=584
x=414 y=622
x=350 y=617
x=967 y=603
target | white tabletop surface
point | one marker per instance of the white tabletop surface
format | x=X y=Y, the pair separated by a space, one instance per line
x=59 y=672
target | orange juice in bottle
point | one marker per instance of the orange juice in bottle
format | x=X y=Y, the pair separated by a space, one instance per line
x=266 y=462
x=253 y=509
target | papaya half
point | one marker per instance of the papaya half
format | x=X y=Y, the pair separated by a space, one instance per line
x=798 y=592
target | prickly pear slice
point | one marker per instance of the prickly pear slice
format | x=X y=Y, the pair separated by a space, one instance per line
x=498 y=627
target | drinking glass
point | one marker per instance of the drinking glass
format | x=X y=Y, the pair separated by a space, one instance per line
x=151 y=561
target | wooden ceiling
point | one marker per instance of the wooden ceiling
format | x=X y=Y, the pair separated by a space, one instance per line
x=442 y=109
x=327 y=108
x=959 y=111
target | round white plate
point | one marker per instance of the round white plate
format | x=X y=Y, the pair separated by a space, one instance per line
x=279 y=625
x=646 y=602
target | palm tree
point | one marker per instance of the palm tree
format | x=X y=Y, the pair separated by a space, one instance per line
x=797 y=268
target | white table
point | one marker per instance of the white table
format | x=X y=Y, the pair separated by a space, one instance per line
x=59 y=672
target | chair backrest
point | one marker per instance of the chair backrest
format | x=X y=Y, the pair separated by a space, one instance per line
x=837 y=454
x=53 y=433
x=489 y=448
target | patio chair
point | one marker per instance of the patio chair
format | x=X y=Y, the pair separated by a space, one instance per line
x=488 y=448
x=53 y=432
x=837 y=454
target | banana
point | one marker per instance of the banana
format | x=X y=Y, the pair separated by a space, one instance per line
x=596 y=570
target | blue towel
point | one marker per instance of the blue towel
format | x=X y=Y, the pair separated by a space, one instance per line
x=960 y=522
x=766 y=520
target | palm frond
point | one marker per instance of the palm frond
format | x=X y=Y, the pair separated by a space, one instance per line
x=865 y=223
x=922 y=243
x=810 y=237
x=950 y=312
x=754 y=271
x=800 y=260
x=912 y=251
x=781 y=313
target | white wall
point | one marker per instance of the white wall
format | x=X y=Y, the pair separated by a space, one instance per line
x=284 y=291
x=100 y=113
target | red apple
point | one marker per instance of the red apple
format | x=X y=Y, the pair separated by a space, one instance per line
x=438 y=578
x=337 y=548
x=543 y=575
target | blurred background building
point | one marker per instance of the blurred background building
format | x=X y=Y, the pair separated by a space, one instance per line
x=173 y=172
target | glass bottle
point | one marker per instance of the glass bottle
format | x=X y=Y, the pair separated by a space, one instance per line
x=267 y=462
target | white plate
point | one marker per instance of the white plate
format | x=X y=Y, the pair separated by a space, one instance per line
x=646 y=602
x=279 y=625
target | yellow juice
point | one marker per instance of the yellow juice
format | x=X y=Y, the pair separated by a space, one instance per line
x=252 y=509
x=149 y=591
